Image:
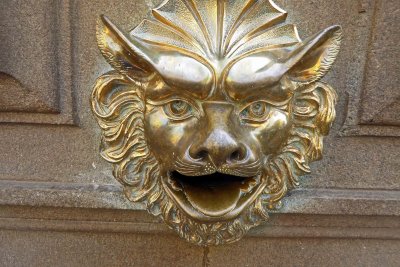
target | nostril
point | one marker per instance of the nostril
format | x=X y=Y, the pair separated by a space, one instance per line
x=236 y=155
x=202 y=154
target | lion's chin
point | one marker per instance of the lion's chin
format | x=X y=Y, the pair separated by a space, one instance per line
x=214 y=197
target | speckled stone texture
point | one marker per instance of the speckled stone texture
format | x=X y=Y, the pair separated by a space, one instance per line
x=60 y=205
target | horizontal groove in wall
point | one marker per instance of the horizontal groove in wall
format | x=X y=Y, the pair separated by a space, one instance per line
x=302 y=201
x=266 y=231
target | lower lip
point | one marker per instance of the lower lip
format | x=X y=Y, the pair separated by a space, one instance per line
x=195 y=214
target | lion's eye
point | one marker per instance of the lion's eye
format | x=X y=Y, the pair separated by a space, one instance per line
x=178 y=110
x=256 y=112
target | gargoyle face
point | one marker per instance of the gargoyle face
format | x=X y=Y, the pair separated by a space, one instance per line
x=212 y=143
x=210 y=135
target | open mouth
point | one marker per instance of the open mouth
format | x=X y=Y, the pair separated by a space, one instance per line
x=213 y=195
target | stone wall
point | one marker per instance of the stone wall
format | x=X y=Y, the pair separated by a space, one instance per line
x=60 y=205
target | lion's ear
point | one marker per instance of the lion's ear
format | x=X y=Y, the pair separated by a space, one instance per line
x=127 y=56
x=313 y=58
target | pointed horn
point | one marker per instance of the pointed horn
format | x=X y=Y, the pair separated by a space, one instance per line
x=313 y=59
x=127 y=55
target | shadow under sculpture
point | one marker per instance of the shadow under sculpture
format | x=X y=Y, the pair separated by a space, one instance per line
x=213 y=111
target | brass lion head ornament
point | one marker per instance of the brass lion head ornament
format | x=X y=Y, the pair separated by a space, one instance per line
x=214 y=110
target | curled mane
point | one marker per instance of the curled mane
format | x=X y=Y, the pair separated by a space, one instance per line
x=118 y=105
x=313 y=108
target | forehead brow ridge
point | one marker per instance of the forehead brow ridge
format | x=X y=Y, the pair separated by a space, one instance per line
x=256 y=75
x=183 y=73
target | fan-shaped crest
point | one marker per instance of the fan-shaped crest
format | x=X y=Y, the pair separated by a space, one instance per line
x=216 y=29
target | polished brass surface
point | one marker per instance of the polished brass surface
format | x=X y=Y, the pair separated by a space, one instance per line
x=214 y=110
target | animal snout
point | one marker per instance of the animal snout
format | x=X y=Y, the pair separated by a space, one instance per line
x=219 y=147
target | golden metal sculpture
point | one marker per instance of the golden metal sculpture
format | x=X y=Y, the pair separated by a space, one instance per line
x=213 y=112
